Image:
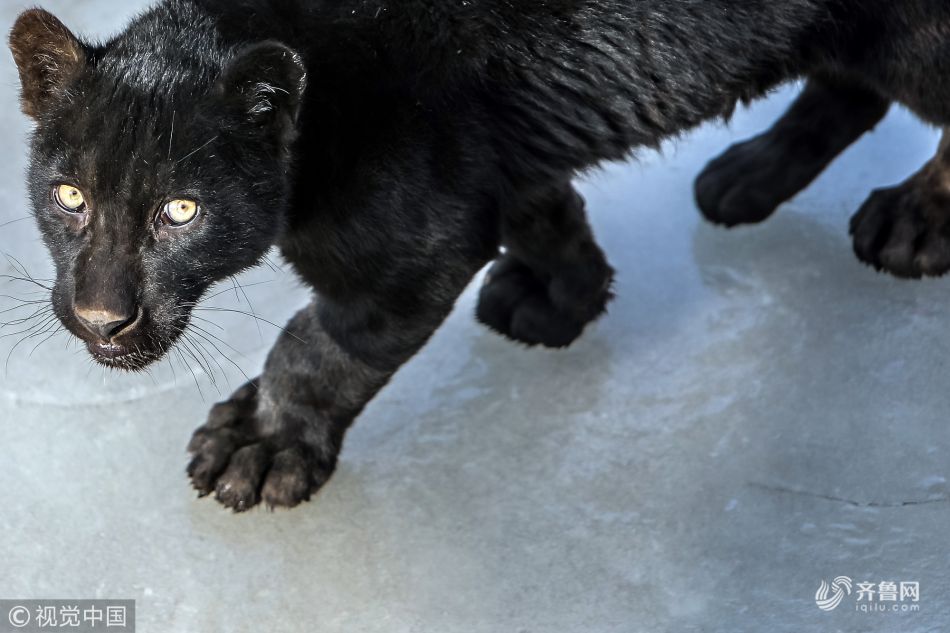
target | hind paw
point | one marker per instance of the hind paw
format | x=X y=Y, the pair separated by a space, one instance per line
x=905 y=230
x=747 y=183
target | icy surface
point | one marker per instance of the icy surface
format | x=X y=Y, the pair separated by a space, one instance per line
x=757 y=413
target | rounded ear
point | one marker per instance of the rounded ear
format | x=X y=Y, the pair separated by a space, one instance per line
x=264 y=84
x=47 y=55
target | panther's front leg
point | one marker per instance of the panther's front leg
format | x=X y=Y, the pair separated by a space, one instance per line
x=277 y=439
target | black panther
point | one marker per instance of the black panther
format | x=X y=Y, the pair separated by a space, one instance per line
x=392 y=148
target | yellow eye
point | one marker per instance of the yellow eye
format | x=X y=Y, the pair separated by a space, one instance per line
x=179 y=212
x=70 y=198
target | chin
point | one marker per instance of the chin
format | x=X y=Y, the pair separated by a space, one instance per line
x=118 y=356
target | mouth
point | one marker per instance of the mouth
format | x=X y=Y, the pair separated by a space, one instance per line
x=119 y=356
x=107 y=351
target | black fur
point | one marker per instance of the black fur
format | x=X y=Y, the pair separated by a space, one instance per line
x=390 y=149
x=899 y=52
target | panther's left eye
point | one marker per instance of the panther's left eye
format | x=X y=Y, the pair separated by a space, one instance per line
x=179 y=212
x=69 y=199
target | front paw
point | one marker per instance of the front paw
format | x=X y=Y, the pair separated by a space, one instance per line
x=243 y=466
x=905 y=230
x=519 y=304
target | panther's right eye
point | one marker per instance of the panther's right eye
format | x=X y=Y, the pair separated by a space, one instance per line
x=69 y=199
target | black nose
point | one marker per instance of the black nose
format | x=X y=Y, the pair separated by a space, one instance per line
x=106 y=324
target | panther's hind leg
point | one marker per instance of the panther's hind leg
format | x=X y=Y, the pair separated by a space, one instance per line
x=553 y=278
x=905 y=230
x=751 y=179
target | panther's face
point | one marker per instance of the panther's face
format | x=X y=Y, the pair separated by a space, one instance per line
x=151 y=178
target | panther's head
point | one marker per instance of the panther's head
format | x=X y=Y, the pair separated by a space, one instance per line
x=158 y=168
